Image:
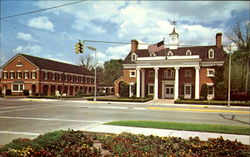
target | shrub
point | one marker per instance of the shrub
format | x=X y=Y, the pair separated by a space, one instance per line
x=220 y=91
x=26 y=92
x=181 y=97
x=204 y=91
x=202 y=98
x=124 y=90
x=8 y=92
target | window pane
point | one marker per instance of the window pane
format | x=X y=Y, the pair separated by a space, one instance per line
x=188 y=90
x=21 y=87
x=15 y=87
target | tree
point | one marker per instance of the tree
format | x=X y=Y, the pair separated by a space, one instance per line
x=112 y=70
x=241 y=59
x=86 y=61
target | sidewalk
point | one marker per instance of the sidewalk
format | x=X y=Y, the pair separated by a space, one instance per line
x=245 y=139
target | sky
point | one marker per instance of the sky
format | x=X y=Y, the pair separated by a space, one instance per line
x=53 y=33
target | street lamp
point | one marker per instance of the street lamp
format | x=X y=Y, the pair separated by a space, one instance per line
x=231 y=47
x=94 y=49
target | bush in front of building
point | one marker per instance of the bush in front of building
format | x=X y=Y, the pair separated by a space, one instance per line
x=123 y=99
x=124 y=90
x=203 y=92
x=26 y=92
x=220 y=91
x=213 y=102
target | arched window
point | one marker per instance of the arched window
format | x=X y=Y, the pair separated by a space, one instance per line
x=152 y=54
x=211 y=53
x=133 y=57
x=188 y=53
x=170 y=53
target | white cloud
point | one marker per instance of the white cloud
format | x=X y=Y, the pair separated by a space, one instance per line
x=29 y=49
x=25 y=36
x=41 y=22
x=57 y=59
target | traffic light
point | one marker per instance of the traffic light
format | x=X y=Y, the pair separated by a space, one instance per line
x=79 y=47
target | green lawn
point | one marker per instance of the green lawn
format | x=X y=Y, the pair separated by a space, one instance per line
x=185 y=126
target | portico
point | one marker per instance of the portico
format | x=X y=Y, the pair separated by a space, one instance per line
x=168 y=84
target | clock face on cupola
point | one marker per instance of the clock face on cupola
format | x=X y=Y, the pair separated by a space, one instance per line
x=174 y=37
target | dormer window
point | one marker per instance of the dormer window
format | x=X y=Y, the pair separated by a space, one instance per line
x=133 y=57
x=152 y=54
x=211 y=53
x=170 y=53
x=19 y=64
x=188 y=53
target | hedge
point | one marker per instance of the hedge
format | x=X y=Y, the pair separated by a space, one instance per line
x=223 y=103
x=122 y=99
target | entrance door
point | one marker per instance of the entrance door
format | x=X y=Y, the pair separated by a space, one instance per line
x=169 y=91
x=187 y=91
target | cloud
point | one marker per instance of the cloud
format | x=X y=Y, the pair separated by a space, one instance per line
x=29 y=49
x=25 y=36
x=41 y=22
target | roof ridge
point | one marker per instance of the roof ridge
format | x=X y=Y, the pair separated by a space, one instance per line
x=48 y=59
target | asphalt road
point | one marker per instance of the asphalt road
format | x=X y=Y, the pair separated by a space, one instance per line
x=31 y=117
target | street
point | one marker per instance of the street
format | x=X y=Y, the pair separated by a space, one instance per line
x=31 y=117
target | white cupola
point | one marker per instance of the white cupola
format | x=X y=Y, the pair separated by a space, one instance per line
x=174 y=40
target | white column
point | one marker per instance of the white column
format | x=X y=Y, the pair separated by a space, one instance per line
x=156 y=84
x=138 y=83
x=143 y=83
x=176 y=83
x=197 y=82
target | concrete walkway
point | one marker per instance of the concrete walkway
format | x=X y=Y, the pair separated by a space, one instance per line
x=245 y=139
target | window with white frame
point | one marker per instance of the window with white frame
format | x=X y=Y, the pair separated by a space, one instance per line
x=169 y=73
x=211 y=53
x=188 y=73
x=210 y=91
x=151 y=73
x=5 y=74
x=45 y=75
x=26 y=75
x=53 y=76
x=133 y=57
x=33 y=74
x=150 y=89
x=12 y=75
x=19 y=75
x=17 y=87
x=210 y=72
x=170 y=53
x=132 y=73
x=188 y=53
x=19 y=64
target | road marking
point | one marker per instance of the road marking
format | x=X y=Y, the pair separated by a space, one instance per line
x=200 y=110
x=19 y=133
x=49 y=119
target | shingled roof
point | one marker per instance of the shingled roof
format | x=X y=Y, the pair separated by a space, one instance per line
x=202 y=51
x=48 y=64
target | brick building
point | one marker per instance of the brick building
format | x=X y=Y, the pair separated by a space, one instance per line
x=170 y=72
x=44 y=77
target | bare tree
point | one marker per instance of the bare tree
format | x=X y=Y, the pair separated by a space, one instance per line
x=241 y=36
x=87 y=62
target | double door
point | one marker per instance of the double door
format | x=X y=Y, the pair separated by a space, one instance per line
x=169 y=92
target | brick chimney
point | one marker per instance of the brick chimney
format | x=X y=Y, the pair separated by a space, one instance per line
x=218 y=40
x=134 y=45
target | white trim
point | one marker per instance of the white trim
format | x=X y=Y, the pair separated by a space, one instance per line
x=210 y=75
x=187 y=96
x=188 y=53
x=212 y=63
x=19 y=84
x=151 y=58
x=184 y=57
x=129 y=66
x=210 y=95
x=133 y=57
x=211 y=51
x=130 y=71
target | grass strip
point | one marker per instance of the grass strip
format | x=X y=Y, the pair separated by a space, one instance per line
x=185 y=126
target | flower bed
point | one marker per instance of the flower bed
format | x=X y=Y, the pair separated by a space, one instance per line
x=78 y=143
